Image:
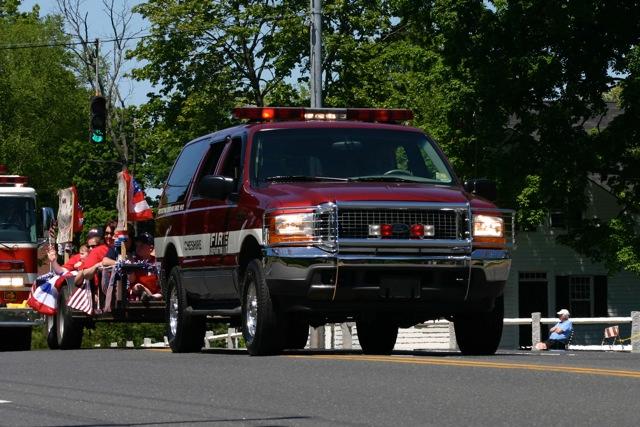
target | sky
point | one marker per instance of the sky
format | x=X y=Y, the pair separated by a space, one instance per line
x=97 y=19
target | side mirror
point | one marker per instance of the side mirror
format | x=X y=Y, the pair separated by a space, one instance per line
x=48 y=216
x=482 y=187
x=216 y=187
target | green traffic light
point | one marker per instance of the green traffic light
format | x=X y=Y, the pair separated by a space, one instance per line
x=97 y=136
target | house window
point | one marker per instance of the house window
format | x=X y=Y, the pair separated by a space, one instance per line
x=532 y=276
x=557 y=219
x=581 y=296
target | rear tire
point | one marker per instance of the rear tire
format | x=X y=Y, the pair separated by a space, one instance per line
x=261 y=328
x=69 y=331
x=376 y=336
x=49 y=328
x=184 y=332
x=15 y=338
x=479 y=334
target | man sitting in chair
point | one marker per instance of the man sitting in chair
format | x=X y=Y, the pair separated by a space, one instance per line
x=560 y=333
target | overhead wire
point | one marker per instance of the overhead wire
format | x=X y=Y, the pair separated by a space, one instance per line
x=119 y=39
x=67 y=44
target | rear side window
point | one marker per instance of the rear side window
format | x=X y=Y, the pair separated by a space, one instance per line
x=182 y=173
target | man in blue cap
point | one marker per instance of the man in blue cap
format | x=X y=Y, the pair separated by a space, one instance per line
x=559 y=333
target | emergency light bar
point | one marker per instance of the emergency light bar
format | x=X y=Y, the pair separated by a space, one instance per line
x=13 y=180
x=272 y=114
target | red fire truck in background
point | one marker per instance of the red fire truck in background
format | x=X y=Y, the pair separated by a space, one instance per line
x=18 y=259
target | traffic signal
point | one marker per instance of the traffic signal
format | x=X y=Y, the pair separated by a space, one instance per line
x=98 y=118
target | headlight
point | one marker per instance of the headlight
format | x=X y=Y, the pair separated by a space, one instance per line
x=488 y=226
x=488 y=231
x=291 y=228
x=12 y=281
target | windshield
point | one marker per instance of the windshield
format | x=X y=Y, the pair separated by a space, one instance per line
x=17 y=220
x=282 y=155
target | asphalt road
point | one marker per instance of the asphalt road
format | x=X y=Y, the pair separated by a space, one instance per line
x=118 y=387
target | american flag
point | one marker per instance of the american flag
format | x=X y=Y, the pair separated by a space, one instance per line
x=44 y=295
x=78 y=213
x=138 y=209
x=82 y=299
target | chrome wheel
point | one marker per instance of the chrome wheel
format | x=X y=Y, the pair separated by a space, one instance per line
x=185 y=331
x=50 y=322
x=261 y=328
x=252 y=310
x=60 y=321
x=173 y=311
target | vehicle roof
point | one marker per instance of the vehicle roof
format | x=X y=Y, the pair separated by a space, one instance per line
x=16 y=191
x=306 y=124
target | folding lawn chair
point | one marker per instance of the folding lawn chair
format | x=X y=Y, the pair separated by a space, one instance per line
x=612 y=333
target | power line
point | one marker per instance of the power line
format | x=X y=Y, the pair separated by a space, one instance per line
x=66 y=44
x=275 y=19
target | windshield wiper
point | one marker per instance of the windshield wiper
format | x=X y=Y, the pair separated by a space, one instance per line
x=383 y=178
x=302 y=178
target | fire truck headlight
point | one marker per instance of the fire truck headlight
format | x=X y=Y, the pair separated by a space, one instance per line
x=291 y=228
x=488 y=230
x=12 y=281
x=488 y=226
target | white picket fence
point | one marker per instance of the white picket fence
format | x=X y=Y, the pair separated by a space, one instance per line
x=432 y=335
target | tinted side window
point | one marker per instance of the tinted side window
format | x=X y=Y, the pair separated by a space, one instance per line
x=209 y=166
x=185 y=167
x=232 y=166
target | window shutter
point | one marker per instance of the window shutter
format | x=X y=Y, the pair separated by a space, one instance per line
x=600 y=306
x=562 y=292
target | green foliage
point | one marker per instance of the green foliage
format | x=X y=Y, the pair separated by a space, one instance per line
x=41 y=108
x=531 y=210
x=38 y=340
x=106 y=333
x=616 y=242
x=514 y=82
x=96 y=218
x=506 y=87
x=209 y=57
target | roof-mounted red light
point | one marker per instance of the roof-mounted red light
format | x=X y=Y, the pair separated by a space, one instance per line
x=379 y=115
x=268 y=113
x=13 y=180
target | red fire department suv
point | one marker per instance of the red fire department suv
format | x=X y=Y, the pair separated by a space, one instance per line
x=306 y=216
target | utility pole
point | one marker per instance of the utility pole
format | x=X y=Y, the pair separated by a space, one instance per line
x=316 y=340
x=97 y=67
x=316 y=53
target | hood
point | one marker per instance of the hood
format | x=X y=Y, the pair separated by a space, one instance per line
x=315 y=193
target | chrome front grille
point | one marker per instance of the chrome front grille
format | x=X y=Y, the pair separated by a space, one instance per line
x=354 y=223
x=344 y=226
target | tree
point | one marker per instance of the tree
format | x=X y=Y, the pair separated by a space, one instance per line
x=506 y=87
x=516 y=82
x=110 y=62
x=208 y=57
x=41 y=110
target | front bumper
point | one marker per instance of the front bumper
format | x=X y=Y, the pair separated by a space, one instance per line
x=19 y=317
x=316 y=275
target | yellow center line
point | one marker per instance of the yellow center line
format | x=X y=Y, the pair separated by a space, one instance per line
x=477 y=364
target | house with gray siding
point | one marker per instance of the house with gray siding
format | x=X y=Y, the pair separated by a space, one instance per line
x=547 y=276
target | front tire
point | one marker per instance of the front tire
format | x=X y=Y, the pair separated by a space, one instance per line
x=479 y=334
x=184 y=332
x=69 y=331
x=261 y=328
x=376 y=336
